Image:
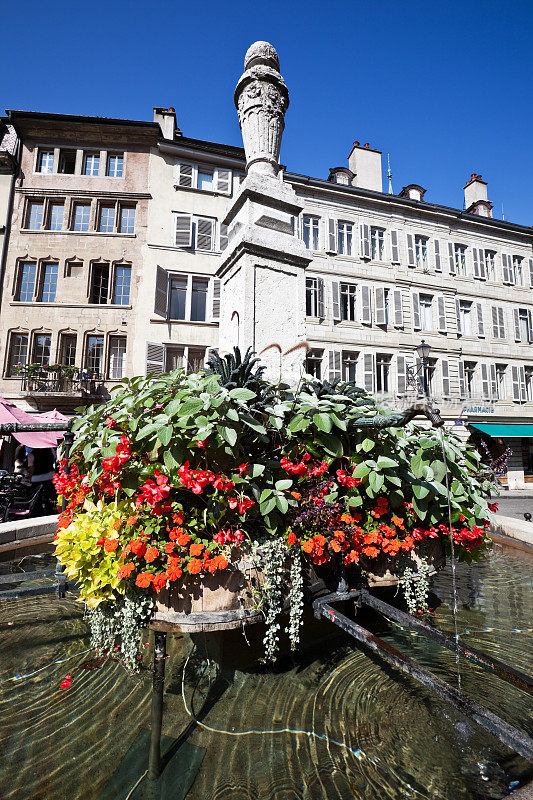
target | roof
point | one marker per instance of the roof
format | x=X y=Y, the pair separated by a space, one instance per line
x=105 y=130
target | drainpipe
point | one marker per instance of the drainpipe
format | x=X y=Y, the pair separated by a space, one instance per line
x=3 y=256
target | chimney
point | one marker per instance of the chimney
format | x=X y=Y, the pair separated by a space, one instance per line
x=365 y=163
x=476 y=200
x=166 y=117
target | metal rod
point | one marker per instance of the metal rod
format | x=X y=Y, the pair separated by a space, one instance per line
x=504 y=671
x=31 y=427
x=512 y=737
x=68 y=441
x=156 y=716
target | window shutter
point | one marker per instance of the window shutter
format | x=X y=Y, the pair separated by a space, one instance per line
x=480 y=325
x=445 y=378
x=366 y=315
x=402 y=374
x=475 y=255
x=223 y=236
x=369 y=372
x=410 y=250
x=335 y=360
x=506 y=272
x=321 y=302
x=531 y=272
x=516 y=318
x=493 y=382
x=451 y=258
x=161 y=292
x=494 y=322
x=295 y=226
x=438 y=265
x=485 y=387
x=462 y=384
x=332 y=236
x=335 y=301
x=482 y=265
x=184 y=175
x=364 y=240
x=458 y=313
x=398 y=310
x=516 y=384
x=215 y=286
x=381 y=316
x=441 y=314
x=501 y=320
x=530 y=326
x=523 y=392
x=155 y=358
x=416 y=311
x=205 y=229
x=183 y=230
x=395 y=250
x=223 y=180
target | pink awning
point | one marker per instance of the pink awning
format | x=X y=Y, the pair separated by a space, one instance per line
x=9 y=412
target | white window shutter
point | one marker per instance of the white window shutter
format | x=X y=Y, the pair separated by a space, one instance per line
x=416 y=311
x=332 y=236
x=501 y=319
x=223 y=242
x=369 y=372
x=215 y=286
x=410 y=250
x=494 y=322
x=458 y=313
x=530 y=326
x=485 y=385
x=531 y=272
x=516 y=318
x=462 y=384
x=335 y=301
x=451 y=258
x=515 y=373
x=296 y=227
x=205 y=233
x=482 y=265
x=184 y=175
x=334 y=364
x=475 y=256
x=381 y=316
x=366 y=306
x=364 y=240
x=441 y=314
x=401 y=369
x=438 y=264
x=395 y=250
x=506 y=272
x=523 y=391
x=321 y=300
x=480 y=324
x=183 y=230
x=161 y=292
x=155 y=358
x=398 y=310
x=445 y=369
x=493 y=382
x=223 y=180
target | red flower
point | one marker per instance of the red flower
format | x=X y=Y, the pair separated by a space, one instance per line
x=241 y=505
x=110 y=422
x=174 y=572
x=202 y=442
x=243 y=469
x=291 y=538
x=144 y=579
x=125 y=571
x=159 y=581
x=194 y=566
x=196 y=549
x=110 y=545
x=493 y=507
x=66 y=683
x=151 y=554
x=371 y=552
x=137 y=547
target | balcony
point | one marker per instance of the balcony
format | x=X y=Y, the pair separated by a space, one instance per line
x=58 y=379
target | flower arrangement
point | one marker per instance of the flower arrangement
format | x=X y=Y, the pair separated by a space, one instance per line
x=180 y=475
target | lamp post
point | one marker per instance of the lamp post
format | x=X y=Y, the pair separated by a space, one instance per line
x=423 y=350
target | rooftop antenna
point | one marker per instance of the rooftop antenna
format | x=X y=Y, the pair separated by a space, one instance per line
x=389 y=174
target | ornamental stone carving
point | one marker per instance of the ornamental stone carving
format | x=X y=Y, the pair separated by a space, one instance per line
x=261 y=99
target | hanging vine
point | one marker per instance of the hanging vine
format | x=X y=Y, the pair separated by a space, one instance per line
x=415 y=586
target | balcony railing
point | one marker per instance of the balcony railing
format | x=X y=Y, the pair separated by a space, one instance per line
x=60 y=379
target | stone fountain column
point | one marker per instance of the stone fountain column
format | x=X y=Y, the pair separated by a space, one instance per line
x=263 y=267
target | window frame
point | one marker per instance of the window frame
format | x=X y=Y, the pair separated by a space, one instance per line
x=115 y=154
x=345 y=238
x=195 y=168
x=377 y=242
x=40 y=283
x=314 y=357
x=91 y=154
x=19 y=271
x=38 y=155
x=108 y=366
x=9 y=366
x=313 y=222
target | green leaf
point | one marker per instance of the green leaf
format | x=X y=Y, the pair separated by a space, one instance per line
x=419 y=509
x=355 y=501
x=298 y=423
x=417 y=465
x=165 y=434
x=265 y=494
x=323 y=422
x=283 y=504
x=252 y=423
x=361 y=470
x=340 y=423
x=283 y=484
x=367 y=445
x=420 y=490
x=375 y=481
x=331 y=444
x=152 y=427
x=228 y=434
x=268 y=506
x=190 y=407
x=169 y=460
x=233 y=414
x=242 y=395
x=257 y=470
x=386 y=463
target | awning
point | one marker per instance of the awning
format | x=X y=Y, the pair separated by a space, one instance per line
x=503 y=431
x=9 y=412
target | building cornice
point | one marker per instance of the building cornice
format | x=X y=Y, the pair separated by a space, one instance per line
x=103 y=130
x=79 y=192
x=193 y=149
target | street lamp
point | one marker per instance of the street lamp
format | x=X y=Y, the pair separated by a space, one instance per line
x=423 y=350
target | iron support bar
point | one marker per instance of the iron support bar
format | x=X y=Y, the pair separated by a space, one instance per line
x=504 y=671
x=156 y=716
x=513 y=738
x=31 y=427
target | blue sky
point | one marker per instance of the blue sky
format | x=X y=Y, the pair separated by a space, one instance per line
x=443 y=86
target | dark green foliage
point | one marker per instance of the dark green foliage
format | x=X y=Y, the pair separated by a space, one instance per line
x=338 y=387
x=241 y=372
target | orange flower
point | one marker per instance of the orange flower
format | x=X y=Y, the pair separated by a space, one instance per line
x=319 y=540
x=335 y=546
x=351 y=558
x=372 y=538
x=291 y=538
x=173 y=573
x=178 y=518
x=222 y=562
x=131 y=520
x=296 y=495
x=183 y=539
x=196 y=549
x=194 y=566
x=159 y=581
x=371 y=552
x=110 y=545
x=151 y=554
x=308 y=545
x=340 y=535
x=408 y=543
x=169 y=547
x=391 y=546
x=347 y=518
x=63 y=522
x=398 y=522
x=144 y=579
x=125 y=571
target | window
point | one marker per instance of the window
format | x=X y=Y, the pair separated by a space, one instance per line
x=178 y=297
x=117 y=357
x=82 y=216
x=41 y=349
x=499 y=387
x=523 y=323
x=99 y=284
x=344 y=238
x=121 y=289
x=203 y=232
x=174 y=358
x=498 y=322
x=421 y=252
x=55 y=216
x=313 y=363
x=206 y=177
x=67 y=161
x=460 y=259
x=314 y=294
x=18 y=351
x=382 y=372
x=45 y=161
x=464 y=317
x=426 y=312
x=203 y=177
x=181 y=357
x=91 y=163
x=195 y=359
x=106 y=223
x=47 y=292
x=199 y=299
x=35 y=216
x=469 y=372
x=127 y=219
x=115 y=165
x=94 y=355
x=310 y=232
x=490 y=268
x=528 y=374
x=377 y=243
x=349 y=366
x=347 y=297
x=26 y=283
x=67 y=350
x=516 y=274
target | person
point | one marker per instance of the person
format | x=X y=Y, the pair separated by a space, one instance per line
x=41 y=463
x=21 y=461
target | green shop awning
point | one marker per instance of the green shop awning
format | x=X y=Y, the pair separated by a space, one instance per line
x=502 y=431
